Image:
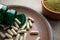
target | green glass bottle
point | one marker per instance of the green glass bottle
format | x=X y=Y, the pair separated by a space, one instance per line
x=3 y=9
x=9 y=17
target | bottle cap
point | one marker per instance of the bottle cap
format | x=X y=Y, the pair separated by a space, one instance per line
x=21 y=18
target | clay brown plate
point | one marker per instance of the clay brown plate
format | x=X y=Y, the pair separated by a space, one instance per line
x=40 y=24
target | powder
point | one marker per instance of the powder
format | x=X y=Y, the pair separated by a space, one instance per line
x=53 y=4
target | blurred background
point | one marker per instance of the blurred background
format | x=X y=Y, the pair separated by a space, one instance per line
x=36 y=5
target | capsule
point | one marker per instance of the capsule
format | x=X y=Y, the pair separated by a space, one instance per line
x=21 y=38
x=17 y=37
x=2 y=35
x=30 y=23
x=34 y=32
x=25 y=36
x=38 y=38
x=8 y=35
x=15 y=28
x=17 y=21
x=24 y=26
x=14 y=32
x=30 y=18
x=21 y=31
x=8 y=39
x=10 y=32
x=28 y=27
x=16 y=24
x=2 y=25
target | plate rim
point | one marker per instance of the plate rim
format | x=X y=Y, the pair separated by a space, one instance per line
x=46 y=21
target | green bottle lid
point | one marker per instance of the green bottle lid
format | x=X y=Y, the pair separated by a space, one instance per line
x=10 y=16
x=22 y=18
x=3 y=9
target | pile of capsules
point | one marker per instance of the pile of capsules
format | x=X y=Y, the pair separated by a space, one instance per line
x=20 y=33
x=14 y=32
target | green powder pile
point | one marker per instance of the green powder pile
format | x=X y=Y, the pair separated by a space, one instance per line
x=53 y=5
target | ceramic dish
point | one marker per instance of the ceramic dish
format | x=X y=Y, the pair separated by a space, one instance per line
x=40 y=24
